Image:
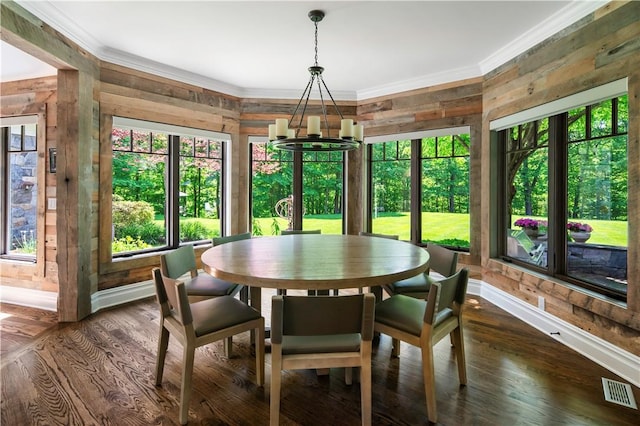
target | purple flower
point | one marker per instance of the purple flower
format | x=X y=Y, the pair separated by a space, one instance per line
x=579 y=227
x=527 y=223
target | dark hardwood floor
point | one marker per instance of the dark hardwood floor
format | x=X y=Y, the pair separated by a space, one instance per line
x=100 y=371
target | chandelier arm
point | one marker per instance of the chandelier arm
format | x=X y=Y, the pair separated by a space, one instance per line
x=324 y=108
x=332 y=100
x=307 y=92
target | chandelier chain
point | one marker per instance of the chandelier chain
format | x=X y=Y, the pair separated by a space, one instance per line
x=316 y=45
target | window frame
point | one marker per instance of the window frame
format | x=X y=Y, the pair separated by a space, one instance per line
x=416 y=160
x=172 y=179
x=40 y=177
x=298 y=160
x=558 y=180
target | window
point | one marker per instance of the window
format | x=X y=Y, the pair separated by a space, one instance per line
x=420 y=187
x=167 y=186
x=19 y=187
x=565 y=182
x=391 y=188
x=445 y=190
x=278 y=190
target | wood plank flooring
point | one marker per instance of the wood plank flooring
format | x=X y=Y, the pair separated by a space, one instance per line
x=100 y=372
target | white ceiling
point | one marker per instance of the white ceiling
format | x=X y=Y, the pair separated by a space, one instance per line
x=263 y=48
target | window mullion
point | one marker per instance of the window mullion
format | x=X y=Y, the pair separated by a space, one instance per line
x=557 y=235
x=416 y=191
x=172 y=209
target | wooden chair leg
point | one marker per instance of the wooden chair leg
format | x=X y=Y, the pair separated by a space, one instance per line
x=228 y=344
x=458 y=338
x=259 y=332
x=365 y=391
x=185 y=391
x=348 y=375
x=163 y=344
x=429 y=382
x=395 y=347
x=276 y=379
x=244 y=294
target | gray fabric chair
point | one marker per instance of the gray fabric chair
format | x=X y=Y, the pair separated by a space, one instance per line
x=423 y=323
x=197 y=324
x=441 y=260
x=176 y=263
x=373 y=234
x=322 y=332
x=299 y=231
x=216 y=241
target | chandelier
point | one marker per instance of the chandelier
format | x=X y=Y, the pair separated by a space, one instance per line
x=317 y=138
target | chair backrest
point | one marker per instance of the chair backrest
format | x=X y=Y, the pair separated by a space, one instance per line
x=322 y=315
x=178 y=262
x=372 y=234
x=442 y=260
x=172 y=298
x=446 y=297
x=229 y=238
x=300 y=231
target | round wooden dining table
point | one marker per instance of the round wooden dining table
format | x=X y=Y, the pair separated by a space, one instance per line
x=315 y=262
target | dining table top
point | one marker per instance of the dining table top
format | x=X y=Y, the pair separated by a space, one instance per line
x=317 y=262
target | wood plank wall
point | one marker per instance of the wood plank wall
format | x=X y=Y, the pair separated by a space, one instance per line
x=443 y=106
x=134 y=94
x=601 y=48
x=598 y=49
x=31 y=97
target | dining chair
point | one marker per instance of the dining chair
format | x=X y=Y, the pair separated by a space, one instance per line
x=197 y=324
x=423 y=323
x=300 y=231
x=216 y=241
x=176 y=263
x=372 y=234
x=305 y=336
x=441 y=260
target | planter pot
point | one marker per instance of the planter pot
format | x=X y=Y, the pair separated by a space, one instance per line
x=532 y=233
x=580 y=237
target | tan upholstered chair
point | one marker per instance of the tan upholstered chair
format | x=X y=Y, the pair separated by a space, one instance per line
x=197 y=324
x=299 y=231
x=176 y=263
x=372 y=234
x=322 y=332
x=441 y=260
x=423 y=323
x=216 y=241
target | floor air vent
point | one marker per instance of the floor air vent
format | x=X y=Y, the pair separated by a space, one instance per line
x=618 y=393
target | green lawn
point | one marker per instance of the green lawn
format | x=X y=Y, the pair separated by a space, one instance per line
x=437 y=226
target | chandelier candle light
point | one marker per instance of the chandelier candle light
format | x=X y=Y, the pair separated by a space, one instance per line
x=282 y=137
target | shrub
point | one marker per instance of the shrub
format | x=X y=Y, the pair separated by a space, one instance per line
x=148 y=232
x=128 y=244
x=126 y=213
x=193 y=230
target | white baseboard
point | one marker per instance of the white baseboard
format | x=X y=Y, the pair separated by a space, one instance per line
x=119 y=295
x=45 y=300
x=611 y=357
x=617 y=360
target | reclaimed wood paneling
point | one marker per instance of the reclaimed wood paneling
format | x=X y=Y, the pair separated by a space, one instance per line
x=27 y=97
x=602 y=47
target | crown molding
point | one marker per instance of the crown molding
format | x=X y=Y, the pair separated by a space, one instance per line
x=567 y=16
x=420 y=82
x=570 y=14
